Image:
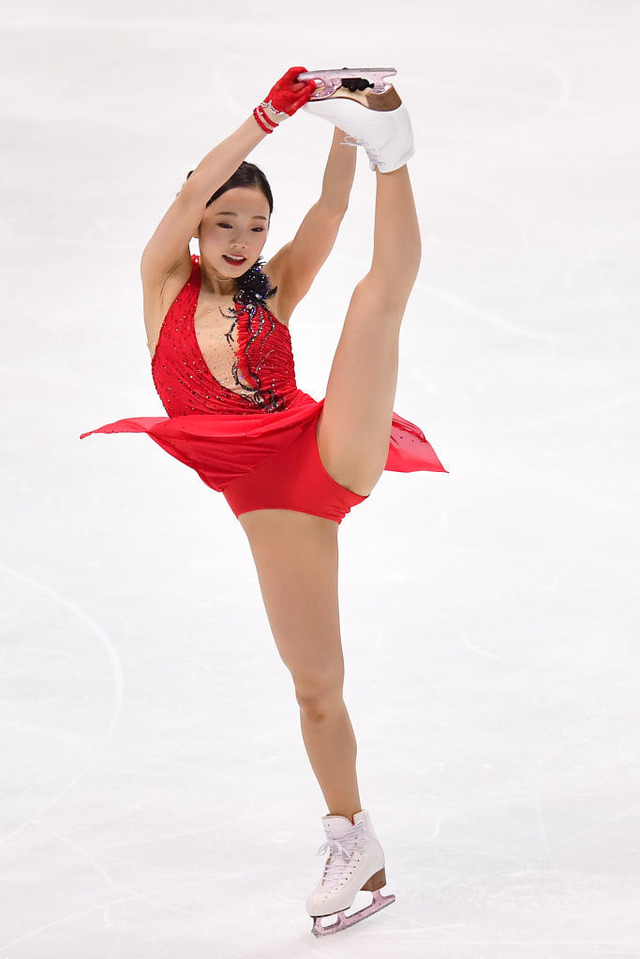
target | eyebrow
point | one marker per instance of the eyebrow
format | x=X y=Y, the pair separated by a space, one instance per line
x=231 y=213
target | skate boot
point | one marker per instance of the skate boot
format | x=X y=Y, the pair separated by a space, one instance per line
x=377 y=121
x=355 y=862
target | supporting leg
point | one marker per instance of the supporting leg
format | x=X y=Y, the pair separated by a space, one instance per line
x=296 y=556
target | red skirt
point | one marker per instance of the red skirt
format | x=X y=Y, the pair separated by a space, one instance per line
x=225 y=449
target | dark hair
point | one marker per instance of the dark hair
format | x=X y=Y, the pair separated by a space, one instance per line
x=247 y=174
x=254 y=285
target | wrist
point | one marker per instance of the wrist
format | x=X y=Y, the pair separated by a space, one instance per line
x=263 y=121
x=276 y=116
x=267 y=117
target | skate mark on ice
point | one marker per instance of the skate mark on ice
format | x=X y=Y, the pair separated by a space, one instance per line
x=514 y=135
x=517 y=246
x=117 y=678
x=595 y=828
x=564 y=744
x=575 y=493
x=593 y=255
x=478 y=312
x=100 y=907
x=621 y=750
x=134 y=896
x=615 y=403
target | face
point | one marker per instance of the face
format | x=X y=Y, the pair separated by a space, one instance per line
x=234 y=230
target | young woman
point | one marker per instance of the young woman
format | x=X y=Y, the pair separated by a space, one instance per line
x=289 y=466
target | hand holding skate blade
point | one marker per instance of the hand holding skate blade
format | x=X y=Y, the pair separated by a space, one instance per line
x=284 y=99
x=330 y=80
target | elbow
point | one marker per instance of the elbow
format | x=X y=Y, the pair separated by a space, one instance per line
x=341 y=204
x=334 y=209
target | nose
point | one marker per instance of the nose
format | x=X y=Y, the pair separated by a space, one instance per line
x=239 y=242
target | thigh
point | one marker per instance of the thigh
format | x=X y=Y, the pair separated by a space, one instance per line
x=355 y=425
x=296 y=557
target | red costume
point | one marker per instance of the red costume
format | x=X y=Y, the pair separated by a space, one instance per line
x=255 y=439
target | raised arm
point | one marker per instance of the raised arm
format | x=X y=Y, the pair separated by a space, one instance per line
x=294 y=268
x=167 y=252
x=168 y=248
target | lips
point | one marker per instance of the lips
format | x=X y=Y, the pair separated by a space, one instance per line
x=234 y=260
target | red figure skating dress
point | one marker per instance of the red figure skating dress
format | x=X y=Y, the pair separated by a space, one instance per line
x=254 y=438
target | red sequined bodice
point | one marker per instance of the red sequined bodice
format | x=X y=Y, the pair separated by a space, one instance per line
x=254 y=363
x=246 y=368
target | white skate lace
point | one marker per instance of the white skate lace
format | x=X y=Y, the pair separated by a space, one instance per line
x=351 y=141
x=341 y=849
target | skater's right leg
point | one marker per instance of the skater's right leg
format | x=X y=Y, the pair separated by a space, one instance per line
x=296 y=556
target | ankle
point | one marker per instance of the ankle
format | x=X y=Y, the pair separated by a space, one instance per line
x=341 y=810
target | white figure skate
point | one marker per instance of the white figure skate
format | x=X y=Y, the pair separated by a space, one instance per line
x=378 y=121
x=328 y=81
x=355 y=862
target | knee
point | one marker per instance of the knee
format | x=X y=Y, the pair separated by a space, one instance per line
x=381 y=291
x=319 y=697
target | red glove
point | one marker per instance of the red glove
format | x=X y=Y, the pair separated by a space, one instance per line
x=287 y=96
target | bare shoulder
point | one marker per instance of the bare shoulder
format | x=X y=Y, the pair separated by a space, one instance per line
x=159 y=291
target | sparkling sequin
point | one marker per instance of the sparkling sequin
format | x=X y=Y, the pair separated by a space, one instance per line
x=256 y=357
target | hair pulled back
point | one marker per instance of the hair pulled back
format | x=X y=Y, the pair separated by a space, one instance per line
x=253 y=286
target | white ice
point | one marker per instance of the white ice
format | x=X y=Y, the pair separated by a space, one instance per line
x=156 y=797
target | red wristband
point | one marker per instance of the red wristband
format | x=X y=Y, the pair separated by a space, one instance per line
x=263 y=120
x=261 y=123
x=271 y=123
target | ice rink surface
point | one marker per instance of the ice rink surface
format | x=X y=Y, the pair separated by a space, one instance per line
x=156 y=796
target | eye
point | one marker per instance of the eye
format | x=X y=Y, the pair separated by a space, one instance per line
x=225 y=226
x=258 y=229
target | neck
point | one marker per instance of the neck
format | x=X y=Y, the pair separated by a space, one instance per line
x=215 y=283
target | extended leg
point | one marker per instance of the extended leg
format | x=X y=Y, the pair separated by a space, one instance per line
x=354 y=428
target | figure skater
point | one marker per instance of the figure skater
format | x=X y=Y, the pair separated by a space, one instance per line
x=289 y=466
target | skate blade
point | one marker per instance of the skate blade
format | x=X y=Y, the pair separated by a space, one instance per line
x=331 y=80
x=343 y=922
